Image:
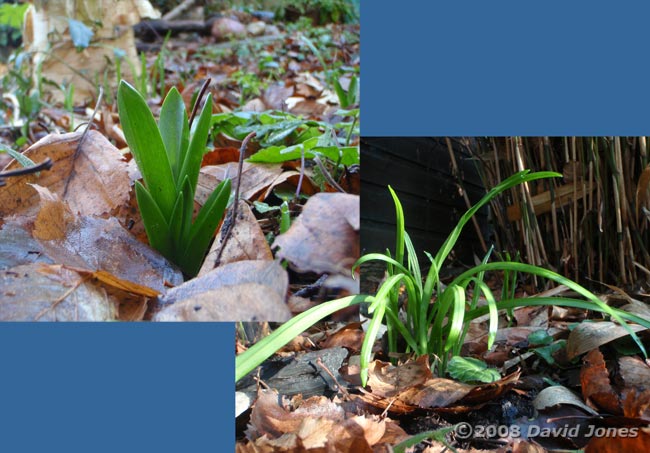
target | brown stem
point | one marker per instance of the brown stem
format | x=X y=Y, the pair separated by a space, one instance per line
x=226 y=235
x=197 y=101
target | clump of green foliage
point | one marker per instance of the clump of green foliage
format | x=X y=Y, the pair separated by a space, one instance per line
x=435 y=328
x=169 y=158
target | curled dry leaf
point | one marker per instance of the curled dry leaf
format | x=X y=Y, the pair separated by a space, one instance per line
x=596 y=388
x=96 y=179
x=325 y=237
x=315 y=423
x=591 y=335
x=246 y=242
x=241 y=291
x=559 y=395
x=39 y=292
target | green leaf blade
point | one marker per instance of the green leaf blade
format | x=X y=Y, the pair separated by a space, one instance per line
x=174 y=130
x=192 y=160
x=203 y=229
x=147 y=147
x=154 y=221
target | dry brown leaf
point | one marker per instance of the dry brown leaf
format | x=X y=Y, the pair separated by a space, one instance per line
x=350 y=337
x=621 y=443
x=316 y=424
x=636 y=404
x=596 y=387
x=255 y=178
x=387 y=380
x=435 y=392
x=103 y=245
x=590 y=335
x=39 y=292
x=325 y=237
x=246 y=242
x=53 y=217
x=558 y=395
x=97 y=179
x=635 y=373
x=241 y=291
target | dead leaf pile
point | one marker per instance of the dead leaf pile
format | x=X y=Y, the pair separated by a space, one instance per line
x=315 y=424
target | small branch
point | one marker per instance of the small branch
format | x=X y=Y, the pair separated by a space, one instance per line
x=226 y=235
x=302 y=171
x=174 y=13
x=197 y=102
x=45 y=165
x=327 y=175
x=81 y=141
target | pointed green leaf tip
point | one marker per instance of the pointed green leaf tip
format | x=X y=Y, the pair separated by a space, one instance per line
x=147 y=147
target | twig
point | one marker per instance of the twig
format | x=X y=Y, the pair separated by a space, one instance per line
x=81 y=141
x=197 y=102
x=327 y=175
x=45 y=165
x=302 y=171
x=342 y=389
x=227 y=233
x=174 y=13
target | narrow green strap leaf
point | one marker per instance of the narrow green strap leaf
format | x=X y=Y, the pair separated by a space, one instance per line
x=457 y=317
x=154 y=222
x=266 y=347
x=192 y=161
x=176 y=225
x=147 y=147
x=202 y=230
x=174 y=131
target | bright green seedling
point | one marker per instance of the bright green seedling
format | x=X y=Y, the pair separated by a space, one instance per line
x=169 y=158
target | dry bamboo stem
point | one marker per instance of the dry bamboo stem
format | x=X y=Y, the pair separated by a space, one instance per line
x=468 y=203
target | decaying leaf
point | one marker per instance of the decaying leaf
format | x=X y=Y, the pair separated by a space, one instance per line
x=596 y=387
x=96 y=179
x=241 y=291
x=255 y=178
x=558 y=395
x=246 y=242
x=100 y=247
x=325 y=237
x=590 y=335
x=39 y=292
x=315 y=424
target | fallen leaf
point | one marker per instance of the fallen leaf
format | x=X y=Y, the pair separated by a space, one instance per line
x=596 y=387
x=349 y=336
x=97 y=181
x=590 y=335
x=622 y=442
x=241 y=291
x=255 y=179
x=246 y=242
x=39 y=292
x=558 y=395
x=325 y=237
x=387 y=380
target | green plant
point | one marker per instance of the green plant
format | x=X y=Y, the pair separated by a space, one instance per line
x=437 y=328
x=169 y=158
x=249 y=84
